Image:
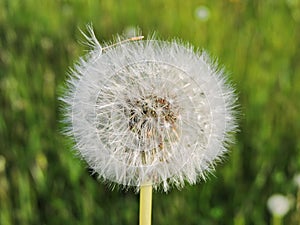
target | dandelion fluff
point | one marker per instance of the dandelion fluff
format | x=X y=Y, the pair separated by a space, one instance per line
x=278 y=205
x=149 y=111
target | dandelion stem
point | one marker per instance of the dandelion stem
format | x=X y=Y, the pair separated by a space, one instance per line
x=145 y=204
x=276 y=220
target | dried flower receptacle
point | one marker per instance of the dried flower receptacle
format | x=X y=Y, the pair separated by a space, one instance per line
x=148 y=117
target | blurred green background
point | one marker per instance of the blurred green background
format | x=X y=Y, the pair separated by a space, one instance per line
x=42 y=182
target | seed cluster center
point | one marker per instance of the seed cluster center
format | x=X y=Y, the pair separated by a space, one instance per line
x=150 y=117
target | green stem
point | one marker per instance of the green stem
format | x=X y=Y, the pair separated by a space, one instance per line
x=276 y=220
x=145 y=204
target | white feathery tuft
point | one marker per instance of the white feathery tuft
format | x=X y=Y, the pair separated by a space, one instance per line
x=149 y=111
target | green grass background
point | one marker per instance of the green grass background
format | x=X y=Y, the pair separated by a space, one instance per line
x=42 y=182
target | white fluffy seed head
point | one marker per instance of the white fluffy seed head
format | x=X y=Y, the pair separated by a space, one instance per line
x=278 y=205
x=149 y=111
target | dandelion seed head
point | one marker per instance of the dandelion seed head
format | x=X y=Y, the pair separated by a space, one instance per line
x=278 y=205
x=149 y=111
x=202 y=13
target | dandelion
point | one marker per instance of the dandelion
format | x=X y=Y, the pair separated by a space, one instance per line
x=278 y=205
x=149 y=113
x=202 y=13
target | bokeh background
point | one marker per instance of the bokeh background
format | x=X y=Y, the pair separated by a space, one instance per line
x=42 y=182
